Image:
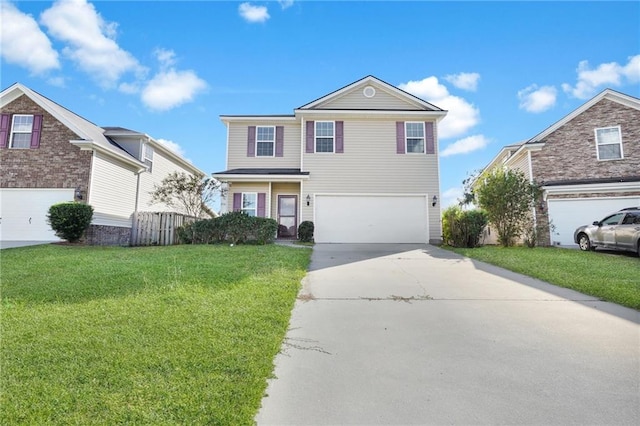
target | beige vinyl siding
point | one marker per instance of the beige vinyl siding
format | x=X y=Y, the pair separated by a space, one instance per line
x=113 y=189
x=382 y=100
x=521 y=162
x=292 y=188
x=237 y=147
x=370 y=165
x=162 y=166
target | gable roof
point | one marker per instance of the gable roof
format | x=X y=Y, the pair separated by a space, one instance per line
x=115 y=132
x=612 y=95
x=91 y=136
x=371 y=80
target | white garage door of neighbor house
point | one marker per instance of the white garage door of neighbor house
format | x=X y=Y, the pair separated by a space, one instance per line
x=23 y=213
x=370 y=219
x=569 y=214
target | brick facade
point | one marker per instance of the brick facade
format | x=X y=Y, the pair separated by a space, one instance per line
x=55 y=164
x=570 y=152
x=100 y=235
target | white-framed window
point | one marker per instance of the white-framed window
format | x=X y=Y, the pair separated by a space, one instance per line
x=414 y=137
x=147 y=156
x=21 y=129
x=265 y=141
x=325 y=136
x=609 y=143
x=249 y=203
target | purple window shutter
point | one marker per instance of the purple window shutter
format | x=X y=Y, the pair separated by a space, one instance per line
x=237 y=202
x=36 y=131
x=430 y=140
x=339 y=137
x=5 y=119
x=262 y=201
x=400 y=137
x=279 y=141
x=310 y=137
x=251 y=141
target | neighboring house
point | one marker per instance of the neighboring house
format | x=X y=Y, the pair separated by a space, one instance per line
x=50 y=154
x=588 y=164
x=361 y=163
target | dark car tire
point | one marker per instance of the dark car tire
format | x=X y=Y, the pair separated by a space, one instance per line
x=584 y=243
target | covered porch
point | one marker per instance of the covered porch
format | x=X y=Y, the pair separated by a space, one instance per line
x=272 y=193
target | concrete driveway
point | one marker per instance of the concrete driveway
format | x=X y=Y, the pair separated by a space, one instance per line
x=412 y=334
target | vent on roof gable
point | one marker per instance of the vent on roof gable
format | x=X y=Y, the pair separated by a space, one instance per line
x=369 y=92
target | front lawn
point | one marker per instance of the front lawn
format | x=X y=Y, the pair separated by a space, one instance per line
x=612 y=277
x=153 y=335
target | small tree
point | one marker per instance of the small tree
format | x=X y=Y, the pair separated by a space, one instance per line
x=186 y=192
x=70 y=220
x=507 y=197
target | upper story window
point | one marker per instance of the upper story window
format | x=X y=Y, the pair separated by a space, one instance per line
x=325 y=135
x=147 y=156
x=609 y=143
x=265 y=141
x=250 y=203
x=414 y=134
x=21 y=129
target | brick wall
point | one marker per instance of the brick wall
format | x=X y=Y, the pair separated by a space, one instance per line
x=101 y=235
x=570 y=152
x=55 y=164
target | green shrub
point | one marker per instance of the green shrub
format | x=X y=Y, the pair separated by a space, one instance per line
x=462 y=228
x=69 y=220
x=263 y=230
x=305 y=231
x=234 y=228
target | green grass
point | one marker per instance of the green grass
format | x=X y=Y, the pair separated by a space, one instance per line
x=158 y=335
x=611 y=277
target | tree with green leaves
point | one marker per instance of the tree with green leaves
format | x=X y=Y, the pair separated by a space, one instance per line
x=507 y=197
x=188 y=193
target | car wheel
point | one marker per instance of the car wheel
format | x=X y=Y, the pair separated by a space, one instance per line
x=584 y=243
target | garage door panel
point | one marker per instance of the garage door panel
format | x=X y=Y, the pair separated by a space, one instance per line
x=370 y=219
x=23 y=213
x=569 y=214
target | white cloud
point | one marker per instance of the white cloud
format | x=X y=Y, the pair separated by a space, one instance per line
x=464 y=80
x=461 y=115
x=166 y=57
x=537 y=99
x=465 y=145
x=90 y=41
x=285 y=4
x=170 y=88
x=608 y=74
x=172 y=146
x=451 y=197
x=23 y=43
x=57 y=81
x=252 y=13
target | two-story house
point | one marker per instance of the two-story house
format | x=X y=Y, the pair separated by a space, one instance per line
x=587 y=164
x=49 y=154
x=361 y=163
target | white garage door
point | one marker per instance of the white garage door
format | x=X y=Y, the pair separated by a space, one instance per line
x=569 y=214
x=370 y=219
x=23 y=213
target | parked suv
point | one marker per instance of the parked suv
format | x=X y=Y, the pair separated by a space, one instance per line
x=617 y=231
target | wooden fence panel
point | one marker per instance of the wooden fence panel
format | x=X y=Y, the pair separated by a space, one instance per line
x=151 y=228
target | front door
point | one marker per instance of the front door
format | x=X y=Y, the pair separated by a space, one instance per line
x=287 y=216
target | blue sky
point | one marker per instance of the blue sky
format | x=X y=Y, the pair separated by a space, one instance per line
x=504 y=70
